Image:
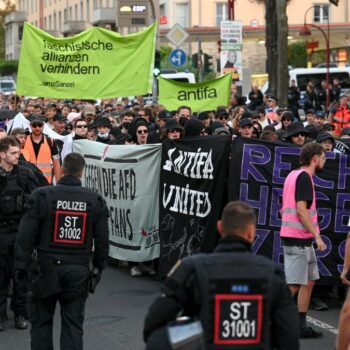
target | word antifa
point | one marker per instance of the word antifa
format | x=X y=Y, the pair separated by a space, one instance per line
x=196 y=165
x=202 y=93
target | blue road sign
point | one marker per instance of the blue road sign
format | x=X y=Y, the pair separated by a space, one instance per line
x=177 y=57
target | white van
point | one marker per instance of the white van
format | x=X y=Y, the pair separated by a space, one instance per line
x=182 y=77
x=7 y=85
x=304 y=75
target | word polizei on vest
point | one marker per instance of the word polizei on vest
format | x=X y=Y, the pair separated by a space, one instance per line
x=70 y=222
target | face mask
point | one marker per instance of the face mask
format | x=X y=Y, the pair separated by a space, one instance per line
x=103 y=135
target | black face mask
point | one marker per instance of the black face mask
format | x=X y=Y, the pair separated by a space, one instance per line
x=125 y=125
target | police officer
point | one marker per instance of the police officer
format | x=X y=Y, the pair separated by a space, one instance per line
x=240 y=298
x=16 y=183
x=60 y=226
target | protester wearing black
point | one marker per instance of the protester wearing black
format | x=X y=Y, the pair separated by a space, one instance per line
x=231 y=285
x=103 y=126
x=16 y=183
x=55 y=239
x=293 y=99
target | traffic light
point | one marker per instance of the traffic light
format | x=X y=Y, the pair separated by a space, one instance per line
x=157 y=59
x=208 y=63
x=195 y=60
x=219 y=45
x=334 y=2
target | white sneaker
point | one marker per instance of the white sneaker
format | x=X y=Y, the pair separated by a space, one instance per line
x=136 y=271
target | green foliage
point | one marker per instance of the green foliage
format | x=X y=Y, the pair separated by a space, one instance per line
x=7 y=8
x=297 y=55
x=8 y=67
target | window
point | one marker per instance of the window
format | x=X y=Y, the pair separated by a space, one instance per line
x=81 y=11
x=321 y=13
x=95 y=5
x=76 y=12
x=221 y=13
x=162 y=10
x=88 y=10
x=181 y=14
x=65 y=15
x=55 y=21
x=60 y=21
x=70 y=13
x=50 y=22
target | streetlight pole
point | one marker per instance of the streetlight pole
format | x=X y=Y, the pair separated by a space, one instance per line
x=231 y=10
x=305 y=31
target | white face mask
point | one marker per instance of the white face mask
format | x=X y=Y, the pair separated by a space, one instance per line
x=103 y=135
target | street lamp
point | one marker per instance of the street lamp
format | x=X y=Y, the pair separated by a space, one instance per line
x=305 y=32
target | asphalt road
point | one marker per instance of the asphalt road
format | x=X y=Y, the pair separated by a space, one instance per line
x=115 y=313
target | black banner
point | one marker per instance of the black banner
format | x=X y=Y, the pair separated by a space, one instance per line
x=193 y=177
x=257 y=173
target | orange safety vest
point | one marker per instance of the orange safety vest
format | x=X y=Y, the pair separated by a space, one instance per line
x=44 y=159
x=341 y=119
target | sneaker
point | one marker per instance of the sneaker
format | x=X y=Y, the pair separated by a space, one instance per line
x=319 y=305
x=147 y=270
x=309 y=332
x=136 y=271
x=20 y=322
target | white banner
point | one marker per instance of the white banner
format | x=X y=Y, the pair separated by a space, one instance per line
x=127 y=177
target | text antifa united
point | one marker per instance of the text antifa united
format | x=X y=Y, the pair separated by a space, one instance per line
x=194 y=165
x=65 y=54
x=114 y=184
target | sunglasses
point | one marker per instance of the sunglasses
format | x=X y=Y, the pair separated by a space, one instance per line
x=174 y=130
x=222 y=117
x=81 y=126
x=142 y=132
x=299 y=134
x=37 y=125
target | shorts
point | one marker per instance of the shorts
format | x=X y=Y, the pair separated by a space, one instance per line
x=300 y=265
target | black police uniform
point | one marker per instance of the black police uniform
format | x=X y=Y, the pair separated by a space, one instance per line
x=241 y=299
x=15 y=187
x=61 y=224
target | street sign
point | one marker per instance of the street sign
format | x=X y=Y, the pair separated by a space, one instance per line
x=177 y=57
x=177 y=35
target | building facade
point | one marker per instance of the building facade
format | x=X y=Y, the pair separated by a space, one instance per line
x=200 y=18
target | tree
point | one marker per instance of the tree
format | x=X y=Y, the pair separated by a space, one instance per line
x=7 y=8
x=297 y=54
x=282 y=49
x=271 y=45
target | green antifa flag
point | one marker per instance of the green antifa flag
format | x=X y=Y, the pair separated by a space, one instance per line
x=200 y=97
x=96 y=63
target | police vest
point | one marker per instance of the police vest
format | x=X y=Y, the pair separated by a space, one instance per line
x=291 y=225
x=12 y=197
x=341 y=119
x=44 y=159
x=233 y=298
x=67 y=232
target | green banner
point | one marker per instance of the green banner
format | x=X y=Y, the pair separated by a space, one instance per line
x=96 y=63
x=200 y=97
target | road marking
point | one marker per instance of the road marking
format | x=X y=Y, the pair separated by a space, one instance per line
x=322 y=324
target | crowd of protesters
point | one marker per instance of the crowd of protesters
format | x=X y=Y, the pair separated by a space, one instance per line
x=126 y=121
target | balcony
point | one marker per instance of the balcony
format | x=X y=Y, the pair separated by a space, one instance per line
x=74 y=27
x=104 y=15
x=16 y=17
x=54 y=32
